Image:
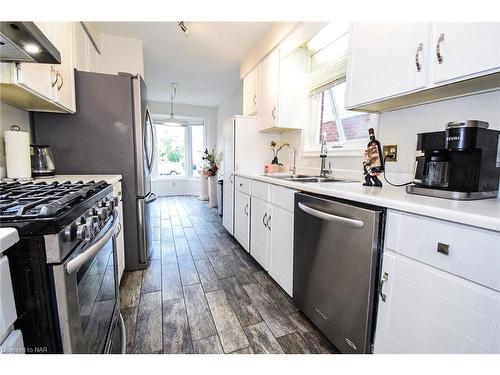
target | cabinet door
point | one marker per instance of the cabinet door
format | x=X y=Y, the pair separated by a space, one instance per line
x=432 y=311
x=79 y=47
x=259 y=232
x=460 y=50
x=268 y=90
x=242 y=219
x=250 y=89
x=386 y=59
x=92 y=56
x=281 y=248
x=38 y=78
x=65 y=86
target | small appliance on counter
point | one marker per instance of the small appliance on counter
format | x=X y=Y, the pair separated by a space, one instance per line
x=17 y=153
x=42 y=161
x=458 y=163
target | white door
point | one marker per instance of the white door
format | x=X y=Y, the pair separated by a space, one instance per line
x=259 y=232
x=65 y=87
x=268 y=90
x=242 y=219
x=432 y=311
x=39 y=78
x=465 y=49
x=386 y=59
x=228 y=185
x=250 y=89
x=281 y=248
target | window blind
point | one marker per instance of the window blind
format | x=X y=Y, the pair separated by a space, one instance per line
x=329 y=65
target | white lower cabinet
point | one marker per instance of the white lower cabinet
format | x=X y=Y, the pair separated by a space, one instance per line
x=426 y=310
x=259 y=232
x=281 y=249
x=242 y=219
x=271 y=231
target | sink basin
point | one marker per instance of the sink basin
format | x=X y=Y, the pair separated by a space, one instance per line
x=304 y=178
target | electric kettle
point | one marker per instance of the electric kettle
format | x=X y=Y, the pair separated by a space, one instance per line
x=42 y=161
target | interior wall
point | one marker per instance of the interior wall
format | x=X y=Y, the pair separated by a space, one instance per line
x=10 y=116
x=120 y=54
x=185 y=186
x=232 y=105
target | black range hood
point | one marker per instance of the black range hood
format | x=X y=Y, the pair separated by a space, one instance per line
x=25 y=42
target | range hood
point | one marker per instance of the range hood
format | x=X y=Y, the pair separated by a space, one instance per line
x=25 y=42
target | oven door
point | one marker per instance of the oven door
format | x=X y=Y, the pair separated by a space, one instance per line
x=87 y=293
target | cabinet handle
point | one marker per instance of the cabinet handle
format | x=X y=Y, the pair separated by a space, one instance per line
x=254 y=99
x=268 y=223
x=443 y=248
x=62 y=81
x=246 y=209
x=53 y=73
x=417 y=57
x=264 y=220
x=383 y=297
x=438 y=48
x=273 y=113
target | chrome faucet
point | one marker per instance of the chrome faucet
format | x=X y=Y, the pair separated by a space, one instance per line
x=293 y=167
x=322 y=154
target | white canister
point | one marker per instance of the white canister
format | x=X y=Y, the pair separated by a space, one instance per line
x=17 y=153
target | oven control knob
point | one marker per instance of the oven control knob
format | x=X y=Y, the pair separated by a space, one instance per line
x=92 y=223
x=116 y=201
x=103 y=213
x=83 y=232
x=92 y=212
x=110 y=205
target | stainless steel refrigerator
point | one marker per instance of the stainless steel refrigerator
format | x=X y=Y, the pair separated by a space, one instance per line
x=110 y=133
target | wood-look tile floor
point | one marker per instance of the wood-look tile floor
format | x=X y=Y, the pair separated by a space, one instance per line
x=203 y=293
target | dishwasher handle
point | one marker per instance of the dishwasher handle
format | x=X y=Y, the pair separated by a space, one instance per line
x=330 y=217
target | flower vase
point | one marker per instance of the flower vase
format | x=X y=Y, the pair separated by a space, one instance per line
x=212 y=191
x=203 y=189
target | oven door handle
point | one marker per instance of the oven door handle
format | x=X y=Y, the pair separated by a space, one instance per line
x=76 y=263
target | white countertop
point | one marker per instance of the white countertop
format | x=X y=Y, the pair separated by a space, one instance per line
x=8 y=237
x=480 y=213
x=109 y=178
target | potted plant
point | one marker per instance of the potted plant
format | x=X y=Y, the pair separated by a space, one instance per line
x=211 y=162
x=275 y=163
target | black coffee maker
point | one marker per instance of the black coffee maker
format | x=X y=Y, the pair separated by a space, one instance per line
x=458 y=163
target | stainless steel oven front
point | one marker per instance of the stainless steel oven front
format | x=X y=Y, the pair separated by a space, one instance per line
x=86 y=288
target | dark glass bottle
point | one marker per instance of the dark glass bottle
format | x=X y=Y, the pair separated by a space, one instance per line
x=375 y=153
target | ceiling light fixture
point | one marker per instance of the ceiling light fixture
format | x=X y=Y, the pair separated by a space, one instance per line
x=172 y=121
x=183 y=27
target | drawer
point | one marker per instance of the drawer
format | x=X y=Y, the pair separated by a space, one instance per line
x=8 y=313
x=462 y=250
x=261 y=190
x=283 y=197
x=242 y=184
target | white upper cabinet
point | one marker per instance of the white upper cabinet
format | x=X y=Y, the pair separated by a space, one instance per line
x=86 y=56
x=463 y=50
x=395 y=65
x=250 y=93
x=283 y=90
x=43 y=87
x=386 y=59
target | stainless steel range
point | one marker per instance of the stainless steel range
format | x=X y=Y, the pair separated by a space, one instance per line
x=63 y=274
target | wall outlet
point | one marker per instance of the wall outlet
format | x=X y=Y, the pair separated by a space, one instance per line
x=390 y=153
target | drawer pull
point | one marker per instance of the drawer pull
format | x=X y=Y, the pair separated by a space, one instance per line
x=443 y=248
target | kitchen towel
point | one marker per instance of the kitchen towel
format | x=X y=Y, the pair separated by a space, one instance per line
x=17 y=154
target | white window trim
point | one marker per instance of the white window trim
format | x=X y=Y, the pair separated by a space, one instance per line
x=188 y=157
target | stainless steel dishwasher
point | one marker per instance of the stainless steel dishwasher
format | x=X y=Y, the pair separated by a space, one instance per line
x=336 y=262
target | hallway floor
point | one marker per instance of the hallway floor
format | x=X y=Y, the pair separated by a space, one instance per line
x=203 y=293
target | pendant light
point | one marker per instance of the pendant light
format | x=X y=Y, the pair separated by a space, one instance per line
x=172 y=121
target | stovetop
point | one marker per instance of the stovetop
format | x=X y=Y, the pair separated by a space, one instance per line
x=47 y=207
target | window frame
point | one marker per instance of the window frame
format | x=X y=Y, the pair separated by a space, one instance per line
x=188 y=153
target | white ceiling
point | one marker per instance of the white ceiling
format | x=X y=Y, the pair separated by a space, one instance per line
x=205 y=63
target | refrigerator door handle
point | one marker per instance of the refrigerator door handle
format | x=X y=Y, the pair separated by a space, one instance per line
x=151 y=198
x=150 y=152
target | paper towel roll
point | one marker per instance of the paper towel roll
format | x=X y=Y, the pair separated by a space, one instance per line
x=17 y=154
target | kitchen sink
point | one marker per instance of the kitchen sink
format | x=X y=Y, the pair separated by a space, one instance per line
x=305 y=179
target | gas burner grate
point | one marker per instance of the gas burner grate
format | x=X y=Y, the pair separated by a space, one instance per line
x=42 y=199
